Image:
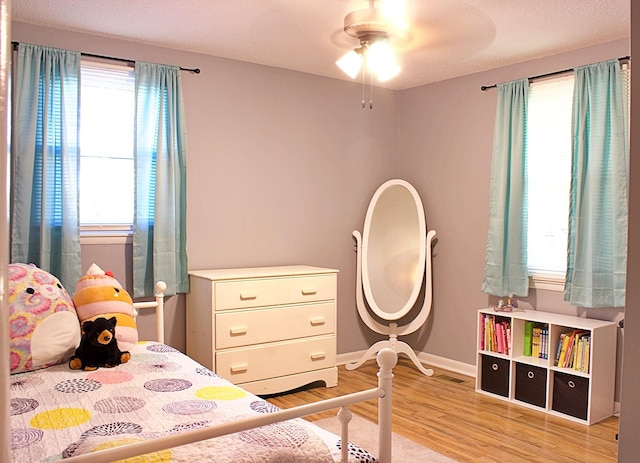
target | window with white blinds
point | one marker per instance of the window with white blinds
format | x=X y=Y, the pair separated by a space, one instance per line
x=107 y=111
x=549 y=175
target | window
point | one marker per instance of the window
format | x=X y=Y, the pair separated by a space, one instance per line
x=549 y=176
x=107 y=111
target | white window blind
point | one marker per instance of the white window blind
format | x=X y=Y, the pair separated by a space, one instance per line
x=107 y=112
x=549 y=174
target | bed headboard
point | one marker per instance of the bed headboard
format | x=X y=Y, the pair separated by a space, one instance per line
x=157 y=304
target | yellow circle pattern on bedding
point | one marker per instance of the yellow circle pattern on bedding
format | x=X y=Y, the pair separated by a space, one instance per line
x=161 y=456
x=220 y=393
x=60 y=418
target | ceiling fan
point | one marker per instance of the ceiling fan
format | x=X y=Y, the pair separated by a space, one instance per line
x=375 y=28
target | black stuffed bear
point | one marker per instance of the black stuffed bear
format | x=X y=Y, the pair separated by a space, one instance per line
x=98 y=346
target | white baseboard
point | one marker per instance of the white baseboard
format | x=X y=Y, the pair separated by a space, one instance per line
x=429 y=360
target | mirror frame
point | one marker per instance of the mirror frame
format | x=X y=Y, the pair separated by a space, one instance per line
x=421 y=264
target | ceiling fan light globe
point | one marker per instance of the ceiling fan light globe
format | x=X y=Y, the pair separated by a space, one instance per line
x=351 y=63
x=381 y=60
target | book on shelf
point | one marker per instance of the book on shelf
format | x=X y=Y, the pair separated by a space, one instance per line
x=536 y=340
x=528 y=334
x=573 y=350
x=496 y=334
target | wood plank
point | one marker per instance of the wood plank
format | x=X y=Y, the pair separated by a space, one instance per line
x=444 y=413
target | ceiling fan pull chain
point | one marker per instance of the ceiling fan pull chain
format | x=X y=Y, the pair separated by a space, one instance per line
x=364 y=105
x=371 y=91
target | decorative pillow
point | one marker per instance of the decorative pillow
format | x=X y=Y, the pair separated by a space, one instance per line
x=99 y=294
x=43 y=325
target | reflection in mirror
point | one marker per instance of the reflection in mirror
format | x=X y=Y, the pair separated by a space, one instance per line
x=392 y=265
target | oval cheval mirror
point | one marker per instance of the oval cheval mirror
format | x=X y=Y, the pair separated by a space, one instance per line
x=392 y=266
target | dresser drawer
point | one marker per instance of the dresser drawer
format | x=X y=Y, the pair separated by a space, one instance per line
x=308 y=289
x=260 y=292
x=239 y=294
x=235 y=328
x=276 y=359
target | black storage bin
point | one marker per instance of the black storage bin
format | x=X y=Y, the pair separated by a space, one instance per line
x=571 y=395
x=495 y=375
x=531 y=384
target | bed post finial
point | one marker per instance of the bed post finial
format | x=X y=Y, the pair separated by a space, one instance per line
x=387 y=359
x=161 y=287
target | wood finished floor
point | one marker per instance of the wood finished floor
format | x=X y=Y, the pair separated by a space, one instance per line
x=444 y=413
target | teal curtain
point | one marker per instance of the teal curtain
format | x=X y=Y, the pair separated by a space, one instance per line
x=505 y=271
x=45 y=226
x=159 y=229
x=598 y=219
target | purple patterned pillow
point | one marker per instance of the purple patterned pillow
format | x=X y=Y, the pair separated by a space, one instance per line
x=43 y=325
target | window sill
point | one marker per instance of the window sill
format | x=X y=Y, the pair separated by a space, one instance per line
x=546 y=282
x=105 y=238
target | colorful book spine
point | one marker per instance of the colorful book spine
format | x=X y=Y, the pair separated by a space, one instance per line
x=563 y=349
x=528 y=339
x=573 y=351
x=544 y=342
x=559 y=349
x=495 y=335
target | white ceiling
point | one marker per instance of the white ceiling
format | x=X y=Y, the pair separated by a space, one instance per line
x=450 y=37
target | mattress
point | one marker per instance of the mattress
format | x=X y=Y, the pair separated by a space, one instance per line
x=58 y=413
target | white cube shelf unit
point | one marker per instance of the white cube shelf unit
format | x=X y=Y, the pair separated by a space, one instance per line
x=583 y=393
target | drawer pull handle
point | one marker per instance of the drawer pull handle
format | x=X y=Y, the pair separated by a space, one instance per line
x=530 y=374
x=239 y=368
x=316 y=321
x=494 y=367
x=318 y=355
x=571 y=384
x=238 y=330
x=247 y=296
x=309 y=291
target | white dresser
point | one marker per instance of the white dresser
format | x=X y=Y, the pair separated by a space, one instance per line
x=268 y=329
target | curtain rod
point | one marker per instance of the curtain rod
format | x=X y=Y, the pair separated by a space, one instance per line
x=550 y=74
x=123 y=60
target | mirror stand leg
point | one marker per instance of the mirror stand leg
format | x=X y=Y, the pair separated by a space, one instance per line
x=404 y=348
x=370 y=353
x=400 y=347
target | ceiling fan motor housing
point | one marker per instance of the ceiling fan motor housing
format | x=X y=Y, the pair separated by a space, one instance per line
x=368 y=25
